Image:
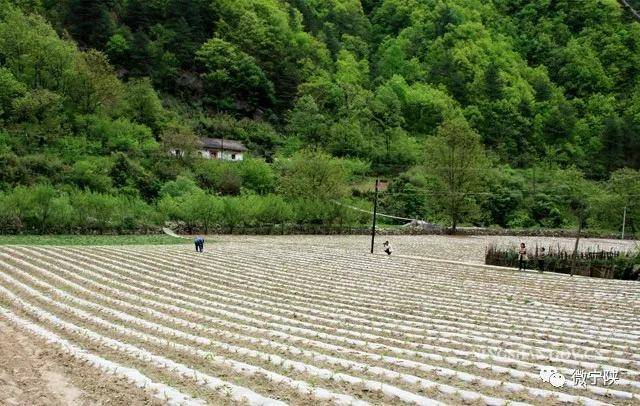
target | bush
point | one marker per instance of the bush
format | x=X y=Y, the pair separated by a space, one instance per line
x=181 y=186
x=92 y=173
x=257 y=176
x=36 y=209
x=274 y=210
x=218 y=176
x=521 y=219
x=42 y=209
x=313 y=175
x=120 y=135
x=94 y=211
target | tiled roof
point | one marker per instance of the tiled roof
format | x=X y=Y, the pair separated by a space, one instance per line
x=221 y=143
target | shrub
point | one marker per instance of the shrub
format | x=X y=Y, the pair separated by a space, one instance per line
x=92 y=173
x=257 y=176
x=181 y=186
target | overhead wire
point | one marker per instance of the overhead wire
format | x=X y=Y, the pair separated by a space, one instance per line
x=377 y=214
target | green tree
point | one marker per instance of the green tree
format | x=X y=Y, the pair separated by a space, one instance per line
x=32 y=51
x=232 y=78
x=10 y=89
x=142 y=104
x=93 y=174
x=313 y=175
x=308 y=123
x=257 y=176
x=95 y=84
x=183 y=185
x=576 y=192
x=180 y=137
x=620 y=196
x=580 y=70
x=455 y=160
x=89 y=21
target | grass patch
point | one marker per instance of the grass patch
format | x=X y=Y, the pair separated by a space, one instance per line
x=153 y=239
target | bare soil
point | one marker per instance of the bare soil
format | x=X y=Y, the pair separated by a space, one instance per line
x=32 y=374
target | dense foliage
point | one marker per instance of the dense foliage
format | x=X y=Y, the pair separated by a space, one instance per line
x=542 y=96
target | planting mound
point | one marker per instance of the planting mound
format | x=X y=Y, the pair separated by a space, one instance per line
x=293 y=322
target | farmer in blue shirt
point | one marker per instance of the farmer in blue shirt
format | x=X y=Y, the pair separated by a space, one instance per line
x=199 y=241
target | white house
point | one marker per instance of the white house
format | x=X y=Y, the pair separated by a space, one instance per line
x=220 y=148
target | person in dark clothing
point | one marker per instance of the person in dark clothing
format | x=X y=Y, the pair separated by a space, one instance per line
x=541 y=263
x=522 y=257
x=387 y=247
x=199 y=241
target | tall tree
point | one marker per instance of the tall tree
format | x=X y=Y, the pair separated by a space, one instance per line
x=313 y=175
x=232 y=79
x=455 y=160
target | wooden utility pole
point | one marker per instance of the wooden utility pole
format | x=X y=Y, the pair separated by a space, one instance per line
x=624 y=220
x=375 y=211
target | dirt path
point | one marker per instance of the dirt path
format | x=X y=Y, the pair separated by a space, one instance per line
x=32 y=373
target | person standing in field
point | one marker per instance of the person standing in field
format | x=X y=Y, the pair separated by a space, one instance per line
x=199 y=241
x=522 y=257
x=387 y=247
x=541 y=256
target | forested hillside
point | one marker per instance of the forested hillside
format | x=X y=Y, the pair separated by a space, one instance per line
x=532 y=106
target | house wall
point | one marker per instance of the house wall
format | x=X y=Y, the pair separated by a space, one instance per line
x=230 y=156
x=226 y=155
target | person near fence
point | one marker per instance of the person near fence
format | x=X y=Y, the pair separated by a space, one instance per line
x=386 y=247
x=199 y=241
x=541 y=259
x=522 y=257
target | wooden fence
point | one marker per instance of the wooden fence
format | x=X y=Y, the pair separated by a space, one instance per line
x=594 y=263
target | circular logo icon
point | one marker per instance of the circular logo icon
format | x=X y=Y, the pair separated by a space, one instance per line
x=546 y=372
x=557 y=379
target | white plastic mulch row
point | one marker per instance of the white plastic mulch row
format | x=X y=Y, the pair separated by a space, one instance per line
x=484 y=366
x=412 y=275
x=238 y=367
x=238 y=393
x=496 y=310
x=387 y=389
x=542 y=392
x=404 y=270
x=202 y=282
x=161 y=391
x=201 y=278
x=275 y=359
x=265 y=282
x=197 y=298
x=596 y=390
x=225 y=275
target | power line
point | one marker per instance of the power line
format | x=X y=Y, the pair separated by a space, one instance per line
x=371 y=212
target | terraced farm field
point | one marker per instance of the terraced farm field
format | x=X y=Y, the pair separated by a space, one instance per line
x=308 y=320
